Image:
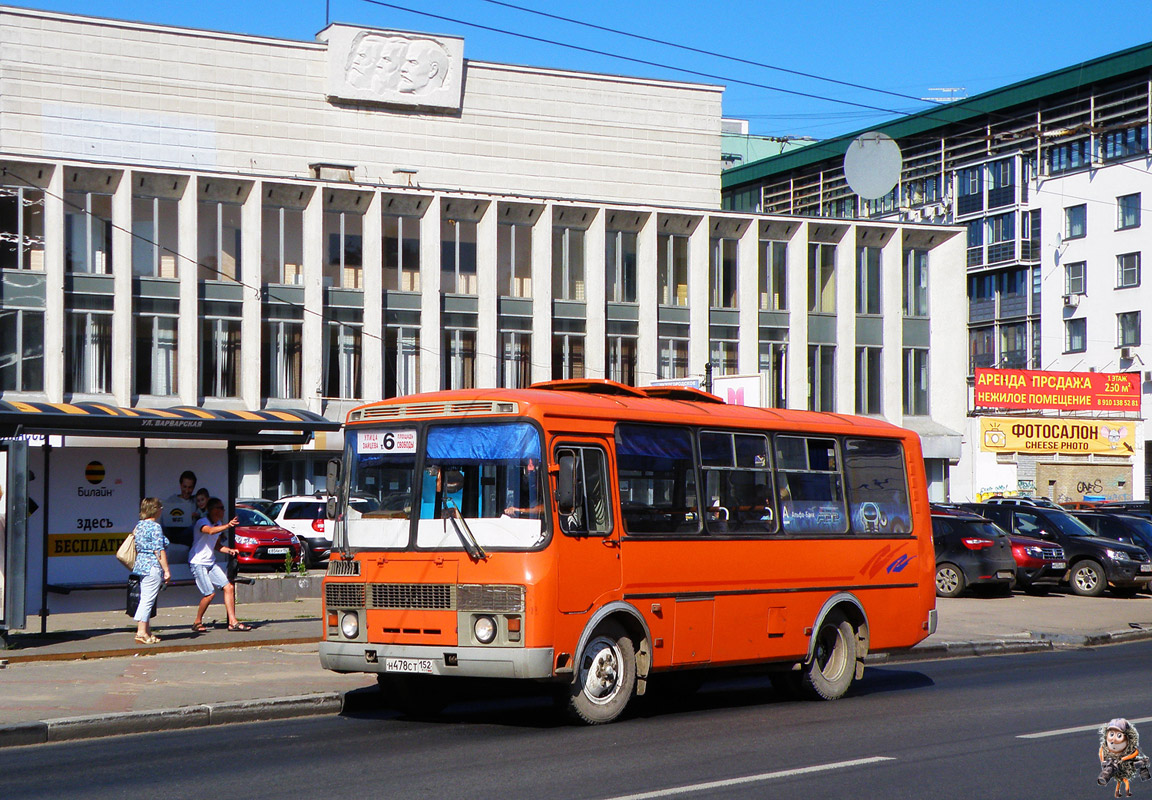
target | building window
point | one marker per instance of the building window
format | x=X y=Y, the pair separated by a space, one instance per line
x=869 y=381
x=219 y=228
x=970 y=185
x=459 y=359
x=282 y=246
x=1069 y=156
x=1124 y=143
x=156 y=354
x=21 y=228
x=672 y=268
x=220 y=357
x=1030 y=235
x=868 y=280
x=773 y=280
x=723 y=286
x=1127 y=270
x=21 y=351
x=1001 y=238
x=1074 y=277
x=344 y=251
x=915 y=382
x=822 y=278
x=457 y=257
x=568 y=264
x=1076 y=221
x=515 y=359
x=1002 y=184
x=401 y=361
x=673 y=358
x=1075 y=333
x=981 y=348
x=915 y=283
x=975 y=242
x=621 y=354
x=88 y=353
x=342 y=360
x=155 y=241
x=514 y=260
x=821 y=377
x=724 y=355
x=620 y=265
x=88 y=232
x=1128 y=324
x=567 y=356
x=1128 y=211
x=773 y=364
x=401 y=241
x=282 y=366
x=1014 y=346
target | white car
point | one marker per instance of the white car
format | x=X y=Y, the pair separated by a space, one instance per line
x=306 y=516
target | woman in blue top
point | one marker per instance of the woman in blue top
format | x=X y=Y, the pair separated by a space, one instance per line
x=151 y=560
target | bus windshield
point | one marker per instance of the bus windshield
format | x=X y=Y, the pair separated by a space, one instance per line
x=486 y=479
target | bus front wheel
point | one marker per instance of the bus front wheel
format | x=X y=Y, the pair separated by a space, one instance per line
x=829 y=674
x=605 y=676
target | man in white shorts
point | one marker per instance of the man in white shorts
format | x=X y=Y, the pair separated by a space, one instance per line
x=208 y=574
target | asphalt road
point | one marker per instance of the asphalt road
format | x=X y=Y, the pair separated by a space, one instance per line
x=942 y=729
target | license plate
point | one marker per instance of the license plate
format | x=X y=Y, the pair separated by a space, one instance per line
x=1146 y=567
x=277 y=551
x=1058 y=565
x=420 y=665
x=1005 y=574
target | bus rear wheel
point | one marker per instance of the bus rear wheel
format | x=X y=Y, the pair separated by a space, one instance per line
x=833 y=666
x=605 y=676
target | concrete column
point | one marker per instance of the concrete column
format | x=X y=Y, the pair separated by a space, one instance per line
x=846 y=323
x=188 y=326
x=313 y=369
x=430 y=328
x=948 y=332
x=595 y=283
x=892 y=306
x=748 y=284
x=122 y=334
x=699 y=281
x=647 y=289
x=372 y=337
x=251 y=275
x=796 y=359
x=542 y=296
x=54 y=318
x=488 y=299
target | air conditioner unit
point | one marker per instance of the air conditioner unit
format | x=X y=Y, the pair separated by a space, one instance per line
x=1071 y=300
x=1126 y=352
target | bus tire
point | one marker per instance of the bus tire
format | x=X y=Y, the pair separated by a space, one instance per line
x=829 y=674
x=605 y=676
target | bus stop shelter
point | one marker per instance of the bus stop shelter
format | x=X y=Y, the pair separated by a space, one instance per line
x=80 y=499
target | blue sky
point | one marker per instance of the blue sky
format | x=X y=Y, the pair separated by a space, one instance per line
x=909 y=48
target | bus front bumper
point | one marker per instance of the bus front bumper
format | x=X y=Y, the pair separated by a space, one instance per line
x=472 y=662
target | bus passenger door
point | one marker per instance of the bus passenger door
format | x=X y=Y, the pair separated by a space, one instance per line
x=587 y=540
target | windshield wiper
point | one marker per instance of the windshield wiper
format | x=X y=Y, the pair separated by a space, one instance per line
x=467 y=538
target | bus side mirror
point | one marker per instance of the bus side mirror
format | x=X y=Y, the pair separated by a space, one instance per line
x=566 y=483
x=453 y=481
x=333 y=483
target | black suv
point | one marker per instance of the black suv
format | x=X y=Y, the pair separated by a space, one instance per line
x=1094 y=562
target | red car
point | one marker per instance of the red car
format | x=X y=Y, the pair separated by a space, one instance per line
x=1039 y=564
x=262 y=542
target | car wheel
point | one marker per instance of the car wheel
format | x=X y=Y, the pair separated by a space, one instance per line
x=1087 y=579
x=833 y=666
x=949 y=580
x=605 y=676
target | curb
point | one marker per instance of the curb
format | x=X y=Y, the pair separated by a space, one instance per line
x=935 y=652
x=14 y=656
x=198 y=716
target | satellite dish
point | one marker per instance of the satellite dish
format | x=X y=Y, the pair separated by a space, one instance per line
x=872 y=165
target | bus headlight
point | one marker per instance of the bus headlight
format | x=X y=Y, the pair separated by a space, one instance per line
x=485 y=629
x=350 y=624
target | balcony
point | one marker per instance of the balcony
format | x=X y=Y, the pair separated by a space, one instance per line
x=1003 y=196
x=1013 y=305
x=969 y=204
x=981 y=311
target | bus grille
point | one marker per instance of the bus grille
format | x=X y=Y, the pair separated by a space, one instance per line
x=344 y=595
x=498 y=599
x=419 y=410
x=432 y=597
x=344 y=569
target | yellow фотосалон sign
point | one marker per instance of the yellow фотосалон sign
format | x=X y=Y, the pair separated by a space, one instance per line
x=1053 y=435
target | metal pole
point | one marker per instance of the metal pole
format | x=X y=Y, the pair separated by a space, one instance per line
x=708 y=377
x=44 y=536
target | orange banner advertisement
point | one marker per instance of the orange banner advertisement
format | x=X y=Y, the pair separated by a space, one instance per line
x=1060 y=391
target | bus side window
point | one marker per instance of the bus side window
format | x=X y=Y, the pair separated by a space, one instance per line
x=877 y=485
x=737 y=487
x=809 y=485
x=589 y=513
x=656 y=469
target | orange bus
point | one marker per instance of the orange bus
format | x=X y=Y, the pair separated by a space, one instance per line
x=595 y=534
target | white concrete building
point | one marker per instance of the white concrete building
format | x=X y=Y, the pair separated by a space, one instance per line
x=224 y=221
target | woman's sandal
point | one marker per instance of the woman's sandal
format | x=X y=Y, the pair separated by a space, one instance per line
x=150 y=639
x=239 y=626
x=199 y=627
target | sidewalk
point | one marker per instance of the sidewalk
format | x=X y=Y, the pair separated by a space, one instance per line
x=87 y=677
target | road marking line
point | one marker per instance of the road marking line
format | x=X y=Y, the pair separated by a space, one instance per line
x=764 y=776
x=1079 y=729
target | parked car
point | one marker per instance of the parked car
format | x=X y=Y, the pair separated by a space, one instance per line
x=970 y=551
x=1039 y=564
x=1126 y=528
x=1135 y=508
x=1023 y=500
x=1094 y=562
x=258 y=503
x=306 y=516
x=262 y=542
